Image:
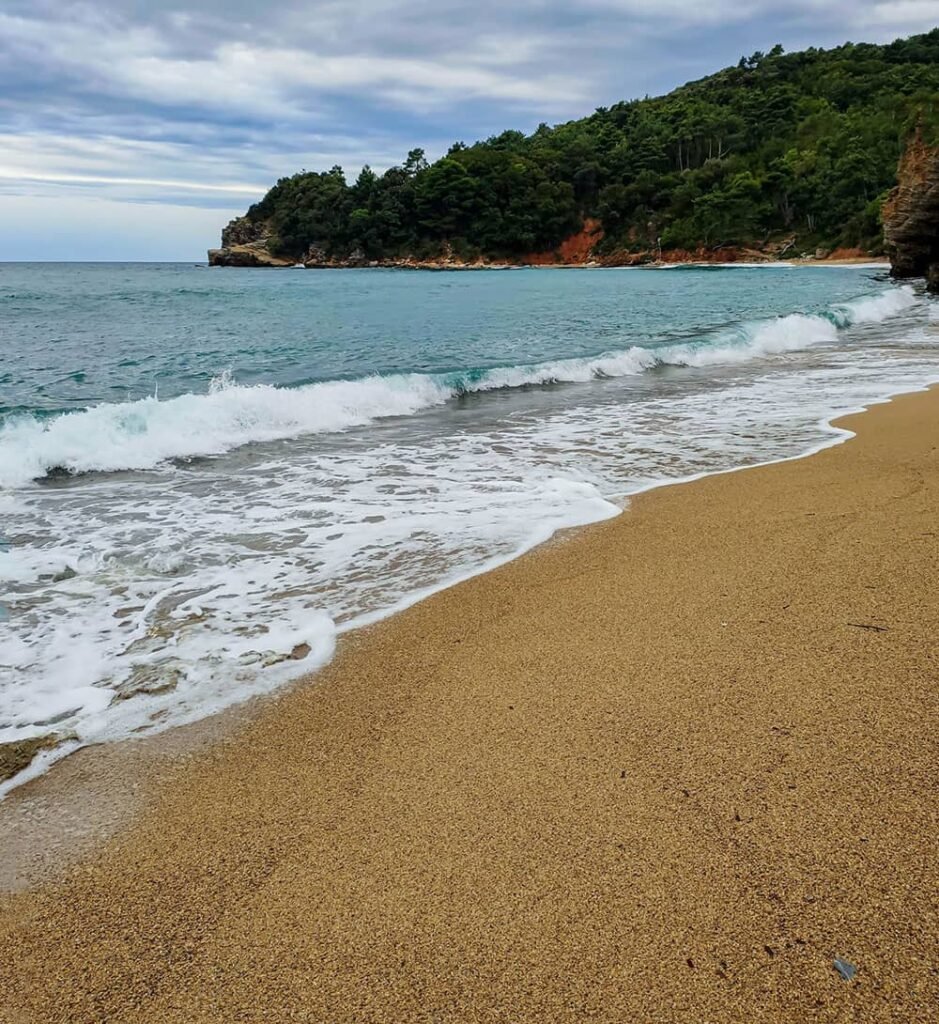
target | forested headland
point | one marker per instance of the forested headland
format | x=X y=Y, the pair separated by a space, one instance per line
x=796 y=150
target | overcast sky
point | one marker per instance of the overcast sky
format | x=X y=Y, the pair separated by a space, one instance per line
x=134 y=129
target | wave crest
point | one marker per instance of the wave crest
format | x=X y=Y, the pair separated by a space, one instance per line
x=146 y=433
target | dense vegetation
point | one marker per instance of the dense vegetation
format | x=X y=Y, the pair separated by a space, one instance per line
x=802 y=144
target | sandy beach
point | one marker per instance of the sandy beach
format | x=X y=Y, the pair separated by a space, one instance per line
x=665 y=769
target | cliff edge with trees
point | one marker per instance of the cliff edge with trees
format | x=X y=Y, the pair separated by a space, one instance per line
x=783 y=153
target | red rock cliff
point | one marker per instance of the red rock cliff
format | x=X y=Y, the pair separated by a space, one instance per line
x=911 y=214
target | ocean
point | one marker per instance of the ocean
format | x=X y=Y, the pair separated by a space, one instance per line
x=207 y=475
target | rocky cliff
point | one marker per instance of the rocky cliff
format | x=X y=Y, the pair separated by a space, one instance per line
x=244 y=244
x=911 y=214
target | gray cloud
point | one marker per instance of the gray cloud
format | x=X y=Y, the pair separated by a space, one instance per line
x=202 y=105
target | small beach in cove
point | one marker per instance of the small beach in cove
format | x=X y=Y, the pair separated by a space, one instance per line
x=666 y=768
x=469 y=513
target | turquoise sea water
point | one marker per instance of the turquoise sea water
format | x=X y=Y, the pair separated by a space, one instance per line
x=203 y=471
x=77 y=334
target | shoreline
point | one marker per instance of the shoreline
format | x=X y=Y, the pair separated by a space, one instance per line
x=165 y=742
x=597 y=264
x=700 y=746
x=56 y=745
x=61 y=809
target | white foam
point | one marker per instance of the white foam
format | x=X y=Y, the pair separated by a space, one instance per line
x=145 y=433
x=873 y=309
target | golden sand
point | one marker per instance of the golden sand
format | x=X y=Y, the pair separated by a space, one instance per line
x=665 y=770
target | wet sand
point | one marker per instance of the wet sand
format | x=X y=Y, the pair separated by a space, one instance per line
x=666 y=769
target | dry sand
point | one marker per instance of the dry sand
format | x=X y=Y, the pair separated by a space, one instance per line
x=664 y=770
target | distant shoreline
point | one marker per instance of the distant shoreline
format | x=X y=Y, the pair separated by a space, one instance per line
x=439 y=265
x=851 y=261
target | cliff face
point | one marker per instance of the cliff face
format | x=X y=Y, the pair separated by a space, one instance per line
x=575 y=250
x=244 y=244
x=911 y=215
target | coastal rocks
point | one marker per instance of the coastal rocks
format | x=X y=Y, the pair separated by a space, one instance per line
x=298 y=653
x=720 y=254
x=242 y=231
x=575 y=250
x=245 y=244
x=255 y=254
x=19 y=754
x=848 y=253
x=315 y=257
x=147 y=681
x=911 y=214
x=703 y=254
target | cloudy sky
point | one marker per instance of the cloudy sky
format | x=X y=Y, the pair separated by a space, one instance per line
x=134 y=129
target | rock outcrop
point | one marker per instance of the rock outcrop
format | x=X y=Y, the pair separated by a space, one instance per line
x=575 y=250
x=19 y=754
x=255 y=255
x=911 y=214
x=244 y=244
x=242 y=231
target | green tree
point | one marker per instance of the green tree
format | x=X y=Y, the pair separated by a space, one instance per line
x=781 y=143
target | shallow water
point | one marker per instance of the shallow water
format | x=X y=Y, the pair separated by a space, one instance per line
x=205 y=475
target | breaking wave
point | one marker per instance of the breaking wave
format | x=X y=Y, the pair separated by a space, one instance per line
x=146 y=433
